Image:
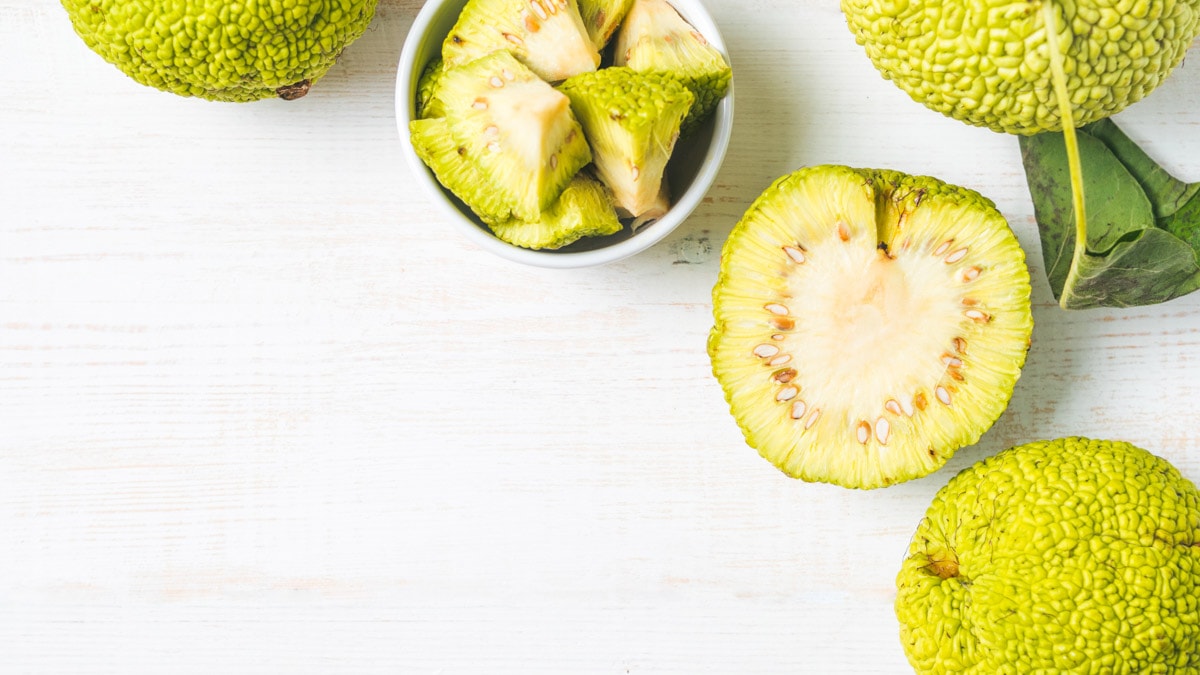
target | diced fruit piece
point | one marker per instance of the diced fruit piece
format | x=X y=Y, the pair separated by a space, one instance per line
x=518 y=130
x=584 y=210
x=546 y=35
x=426 y=88
x=867 y=324
x=654 y=37
x=601 y=18
x=631 y=120
x=451 y=164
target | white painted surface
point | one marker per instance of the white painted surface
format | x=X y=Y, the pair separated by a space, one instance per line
x=261 y=412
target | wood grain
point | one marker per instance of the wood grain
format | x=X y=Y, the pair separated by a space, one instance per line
x=260 y=411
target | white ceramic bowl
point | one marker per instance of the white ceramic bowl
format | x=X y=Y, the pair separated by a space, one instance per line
x=690 y=173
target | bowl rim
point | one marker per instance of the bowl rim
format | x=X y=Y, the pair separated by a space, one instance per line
x=405 y=107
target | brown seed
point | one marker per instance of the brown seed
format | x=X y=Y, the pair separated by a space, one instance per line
x=952 y=361
x=798 y=409
x=515 y=39
x=971 y=273
x=780 y=360
x=496 y=82
x=635 y=172
x=843 y=231
x=531 y=23
x=776 y=308
x=942 y=395
x=796 y=254
x=782 y=323
x=699 y=37
x=969 y=302
x=956 y=374
x=812 y=419
x=480 y=104
x=864 y=432
x=892 y=406
x=882 y=429
x=777 y=336
x=920 y=401
x=956 y=256
x=764 y=351
x=787 y=394
x=960 y=345
x=538 y=9
x=945 y=246
x=784 y=376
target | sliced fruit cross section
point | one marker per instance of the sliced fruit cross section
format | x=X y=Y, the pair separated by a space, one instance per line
x=517 y=129
x=868 y=323
x=546 y=35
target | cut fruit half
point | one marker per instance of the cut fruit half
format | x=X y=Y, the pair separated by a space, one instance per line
x=868 y=323
x=546 y=35
x=517 y=129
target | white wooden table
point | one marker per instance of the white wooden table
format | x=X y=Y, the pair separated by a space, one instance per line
x=261 y=411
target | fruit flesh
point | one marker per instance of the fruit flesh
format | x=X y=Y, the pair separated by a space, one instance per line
x=519 y=131
x=1066 y=556
x=219 y=50
x=631 y=121
x=988 y=63
x=602 y=17
x=548 y=36
x=868 y=324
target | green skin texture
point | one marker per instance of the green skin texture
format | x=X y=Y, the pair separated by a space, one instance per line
x=986 y=62
x=218 y=49
x=643 y=110
x=1065 y=556
x=669 y=44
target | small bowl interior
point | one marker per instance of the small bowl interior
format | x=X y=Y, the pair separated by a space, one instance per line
x=689 y=173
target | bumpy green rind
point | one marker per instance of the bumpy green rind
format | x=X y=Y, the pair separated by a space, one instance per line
x=221 y=50
x=1066 y=556
x=986 y=62
x=583 y=210
x=656 y=38
x=631 y=119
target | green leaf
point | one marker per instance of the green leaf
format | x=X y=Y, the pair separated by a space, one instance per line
x=1142 y=226
x=1167 y=194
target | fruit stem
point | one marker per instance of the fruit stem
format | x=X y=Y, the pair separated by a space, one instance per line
x=1059 y=77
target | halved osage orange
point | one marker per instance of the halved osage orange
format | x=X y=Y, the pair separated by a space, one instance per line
x=868 y=323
